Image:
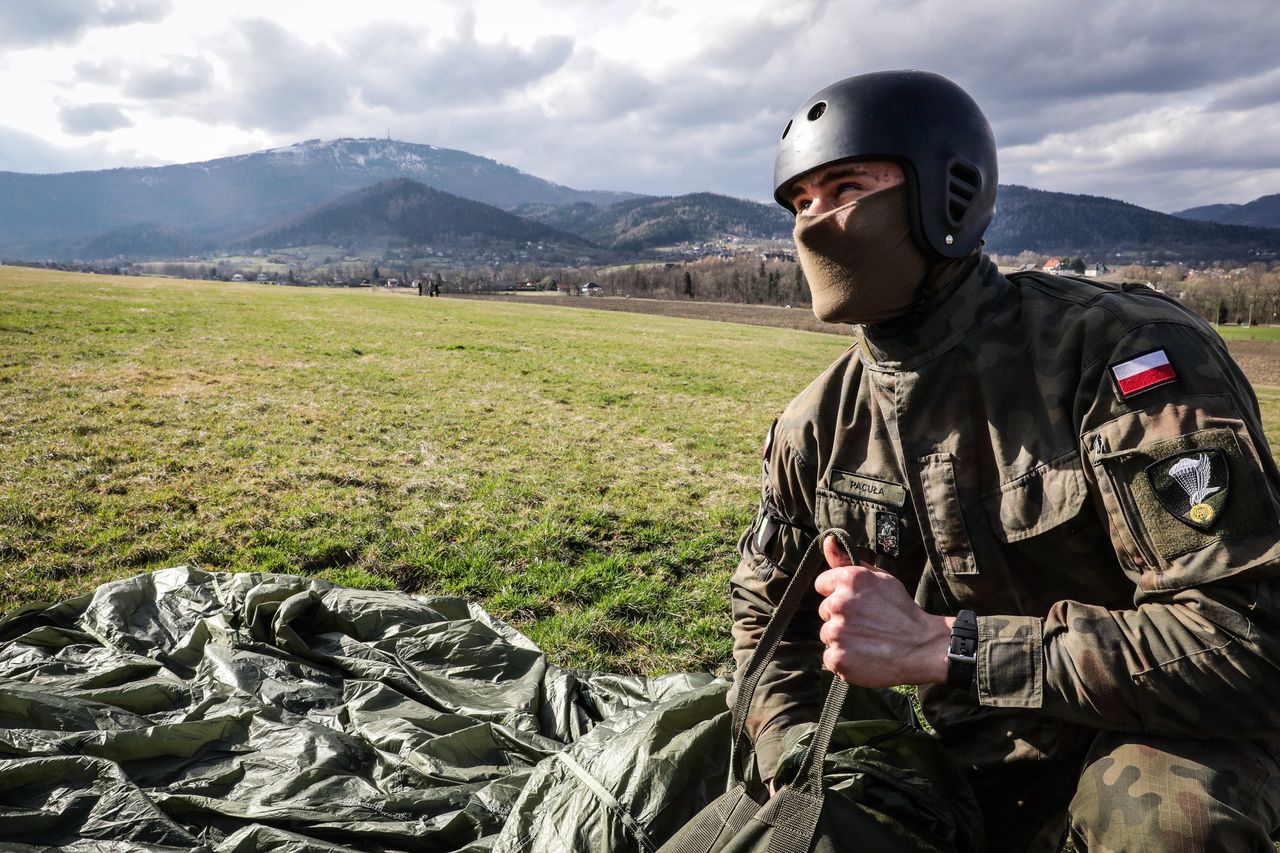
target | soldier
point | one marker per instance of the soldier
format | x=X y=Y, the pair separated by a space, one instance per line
x=1071 y=475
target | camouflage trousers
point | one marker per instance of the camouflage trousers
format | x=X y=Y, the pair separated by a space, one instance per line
x=1130 y=792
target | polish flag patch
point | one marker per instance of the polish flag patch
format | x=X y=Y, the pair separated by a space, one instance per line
x=1142 y=372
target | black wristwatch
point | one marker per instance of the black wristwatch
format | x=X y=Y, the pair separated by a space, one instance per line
x=962 y=656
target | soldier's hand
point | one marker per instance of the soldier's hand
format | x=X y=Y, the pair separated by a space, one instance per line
x=875 y=633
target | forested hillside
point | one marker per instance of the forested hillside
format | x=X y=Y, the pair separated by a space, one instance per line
x=1065 y=224
x=642 y=223
x=407 y=211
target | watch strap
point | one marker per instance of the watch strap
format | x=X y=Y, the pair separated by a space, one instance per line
x=962 y=655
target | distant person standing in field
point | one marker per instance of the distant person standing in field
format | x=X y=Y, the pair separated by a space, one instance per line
x=1070 y=475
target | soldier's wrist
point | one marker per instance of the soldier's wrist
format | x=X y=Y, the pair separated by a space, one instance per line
x=931 y=655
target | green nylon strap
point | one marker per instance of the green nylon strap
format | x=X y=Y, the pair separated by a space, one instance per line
x=809 y=776
x=724 y=819
x=610 y=802
x=795 y=592
x=793 y=814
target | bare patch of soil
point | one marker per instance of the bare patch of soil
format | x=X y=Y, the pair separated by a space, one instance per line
x=1260 y=360
x=755 y=315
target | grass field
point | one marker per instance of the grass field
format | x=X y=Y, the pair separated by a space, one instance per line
x=583 y=474
x=1249 y=333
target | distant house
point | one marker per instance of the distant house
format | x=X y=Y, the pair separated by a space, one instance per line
x=592 y=289
x=262 y=278
x=237 y=277
x=1053 y=265
x=1096 y=270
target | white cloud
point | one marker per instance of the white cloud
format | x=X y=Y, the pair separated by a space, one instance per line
x=175 y=76
x=1111 y=97
x=400 y=68
x=25 y=23
x=25 y=152
x=86 y=119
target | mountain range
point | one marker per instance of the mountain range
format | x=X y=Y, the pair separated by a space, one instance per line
x=1068 y=224
x=221 y=202
x=646 y=222
x=1263 y=212
x=408 y=213
x=377 y=193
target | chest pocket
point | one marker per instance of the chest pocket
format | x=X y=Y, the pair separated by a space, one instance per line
x=855 y=517
x=947 y=523
x=883 y=534
x=1038 y=501
x=979 y=538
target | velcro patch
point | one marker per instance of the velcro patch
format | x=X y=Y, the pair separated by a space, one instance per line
x=1192 y=490
x=1142 y=373
x=868 y=488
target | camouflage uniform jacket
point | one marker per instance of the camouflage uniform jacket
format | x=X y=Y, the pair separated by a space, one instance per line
x=1081 y=464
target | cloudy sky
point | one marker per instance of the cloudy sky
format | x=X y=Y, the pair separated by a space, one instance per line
x=1167 y=105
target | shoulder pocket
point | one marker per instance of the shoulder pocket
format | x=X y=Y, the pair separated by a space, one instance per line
x=1186 y=493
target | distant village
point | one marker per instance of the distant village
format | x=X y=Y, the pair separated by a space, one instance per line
x=731 y=269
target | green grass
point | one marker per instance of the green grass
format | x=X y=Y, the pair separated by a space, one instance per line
x=583 y=474
x=1269 y=406
x=1249 y=333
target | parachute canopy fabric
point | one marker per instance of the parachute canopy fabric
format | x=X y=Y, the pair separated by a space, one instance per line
x=188 y=710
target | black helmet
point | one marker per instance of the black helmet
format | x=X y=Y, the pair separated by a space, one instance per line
x=923 y=122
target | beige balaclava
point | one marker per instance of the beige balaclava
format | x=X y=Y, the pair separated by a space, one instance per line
x=870 y=269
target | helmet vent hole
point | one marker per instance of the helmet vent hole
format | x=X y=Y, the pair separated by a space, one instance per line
x=816 y=111
x=963 y=184
x=786 y=130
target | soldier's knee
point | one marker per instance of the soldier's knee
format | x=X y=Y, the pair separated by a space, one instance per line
x=1142 y=793
x=1118 y=805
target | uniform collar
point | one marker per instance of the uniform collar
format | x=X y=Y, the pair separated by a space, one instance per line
x=958 y=310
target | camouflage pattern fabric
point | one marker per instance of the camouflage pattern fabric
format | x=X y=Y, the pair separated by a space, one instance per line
x=1116 y=534
x=1152 y=793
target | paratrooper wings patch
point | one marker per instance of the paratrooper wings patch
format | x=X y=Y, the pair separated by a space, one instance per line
x=1192 y=485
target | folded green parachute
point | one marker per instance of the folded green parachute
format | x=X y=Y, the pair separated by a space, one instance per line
x=187 y=710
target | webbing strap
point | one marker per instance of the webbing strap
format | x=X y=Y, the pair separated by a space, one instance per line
x=809 y=775
x=794 y=814
x=765 y=649
x=724 y=818
x=796 y=590
x=608 y=800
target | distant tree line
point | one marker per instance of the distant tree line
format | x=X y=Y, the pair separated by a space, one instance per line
x=1222 y=293
x=743 y=278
